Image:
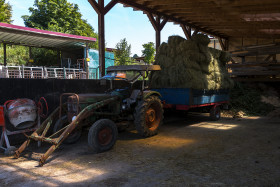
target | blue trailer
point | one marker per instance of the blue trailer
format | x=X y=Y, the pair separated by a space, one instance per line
x=187 y=98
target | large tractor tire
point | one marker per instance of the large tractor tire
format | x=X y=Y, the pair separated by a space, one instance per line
x=74 y=136
x=102 y=135
x=215 y=113
x=148 y=116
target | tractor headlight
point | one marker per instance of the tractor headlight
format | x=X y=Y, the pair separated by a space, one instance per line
x=124 y=107
x=73 y=118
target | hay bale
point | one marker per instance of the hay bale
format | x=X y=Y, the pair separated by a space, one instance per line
x=201 y=39
x=189 y=45
x=211 y=85
x=206 y=52
x=225 y=57
x=171 y=52
x=191 y=64
x=197 y=79
x=173 y=76
x=175 y=40
x=163 y=49
x=156 y=80
x=164 y=61
x=215 y=52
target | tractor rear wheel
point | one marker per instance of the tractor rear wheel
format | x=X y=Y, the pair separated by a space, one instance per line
x=102 y=135
x=148 y=116
x=73 y=137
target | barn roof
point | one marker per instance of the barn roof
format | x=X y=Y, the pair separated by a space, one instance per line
x=222 y=18
x=13 y=34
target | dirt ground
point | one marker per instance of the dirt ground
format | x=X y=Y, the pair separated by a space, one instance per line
x=188 y=151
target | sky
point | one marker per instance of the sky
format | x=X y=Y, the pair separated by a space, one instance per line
x=120 y=22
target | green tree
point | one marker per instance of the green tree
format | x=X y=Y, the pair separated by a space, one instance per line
x=5 y=12
x=16 y=55
x=58 y=16
x=122 y=53
x=149 y=52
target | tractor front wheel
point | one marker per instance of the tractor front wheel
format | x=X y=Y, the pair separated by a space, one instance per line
x=73 y=137
x=102 y=135
x=148 y=116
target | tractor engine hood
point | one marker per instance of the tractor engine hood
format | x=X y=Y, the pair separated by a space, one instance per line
x=88 y=98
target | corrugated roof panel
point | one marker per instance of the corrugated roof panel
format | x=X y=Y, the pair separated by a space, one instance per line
x=40 y=38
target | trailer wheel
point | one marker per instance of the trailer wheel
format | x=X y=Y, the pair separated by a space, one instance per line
x=73 y=137
x=148 y=116
x=215 y=113
x=102 y=135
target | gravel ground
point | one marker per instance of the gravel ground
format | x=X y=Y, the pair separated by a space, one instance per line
x=188 y=151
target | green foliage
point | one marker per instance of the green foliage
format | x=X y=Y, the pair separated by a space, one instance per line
x=122 y=53
x=19 y=55
x=59 y=16
x=16 y=55
x=248 y=100
x=149 y=52
x=44 y=57
x=5 y=12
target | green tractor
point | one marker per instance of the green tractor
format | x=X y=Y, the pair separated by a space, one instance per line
x=103 y=113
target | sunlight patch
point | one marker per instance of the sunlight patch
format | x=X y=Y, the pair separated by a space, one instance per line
x=215 y=126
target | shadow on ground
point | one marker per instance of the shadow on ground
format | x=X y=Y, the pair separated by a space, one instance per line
x=189 y=150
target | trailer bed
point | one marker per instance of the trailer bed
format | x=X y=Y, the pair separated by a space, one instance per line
x=186 y=98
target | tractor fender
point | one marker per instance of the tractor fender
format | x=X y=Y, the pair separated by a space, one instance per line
x=148 y=93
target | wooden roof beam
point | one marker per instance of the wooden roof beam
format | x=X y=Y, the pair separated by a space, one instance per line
x=146 y=9
x=187 y=31
x=220 y=3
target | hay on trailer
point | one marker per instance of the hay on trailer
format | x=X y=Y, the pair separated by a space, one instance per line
x=175 y=40
x=215 y=52
x=191 y=64
x=225 y=57
x=206 y=52
x=163 y=49
x=188 y=45
x=201 y=39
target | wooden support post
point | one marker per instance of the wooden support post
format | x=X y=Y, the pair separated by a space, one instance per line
x=187 y=31
x=87 y=50
x=158 y=31
x=224 y=44
x=214 y=44
x=58 y=57
x=227 y=44
x=101 y=11
x=243 y=59
x=195 y=32
x=274 y=58
x=101 y=38
x=30 y=60
x=158 y=26
x=30 y=52
x=5 y=53
x=86 y=63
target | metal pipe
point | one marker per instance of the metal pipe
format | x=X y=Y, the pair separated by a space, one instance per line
x=5 y=54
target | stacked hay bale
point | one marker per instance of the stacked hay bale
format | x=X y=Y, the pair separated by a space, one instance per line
x=191 y=64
